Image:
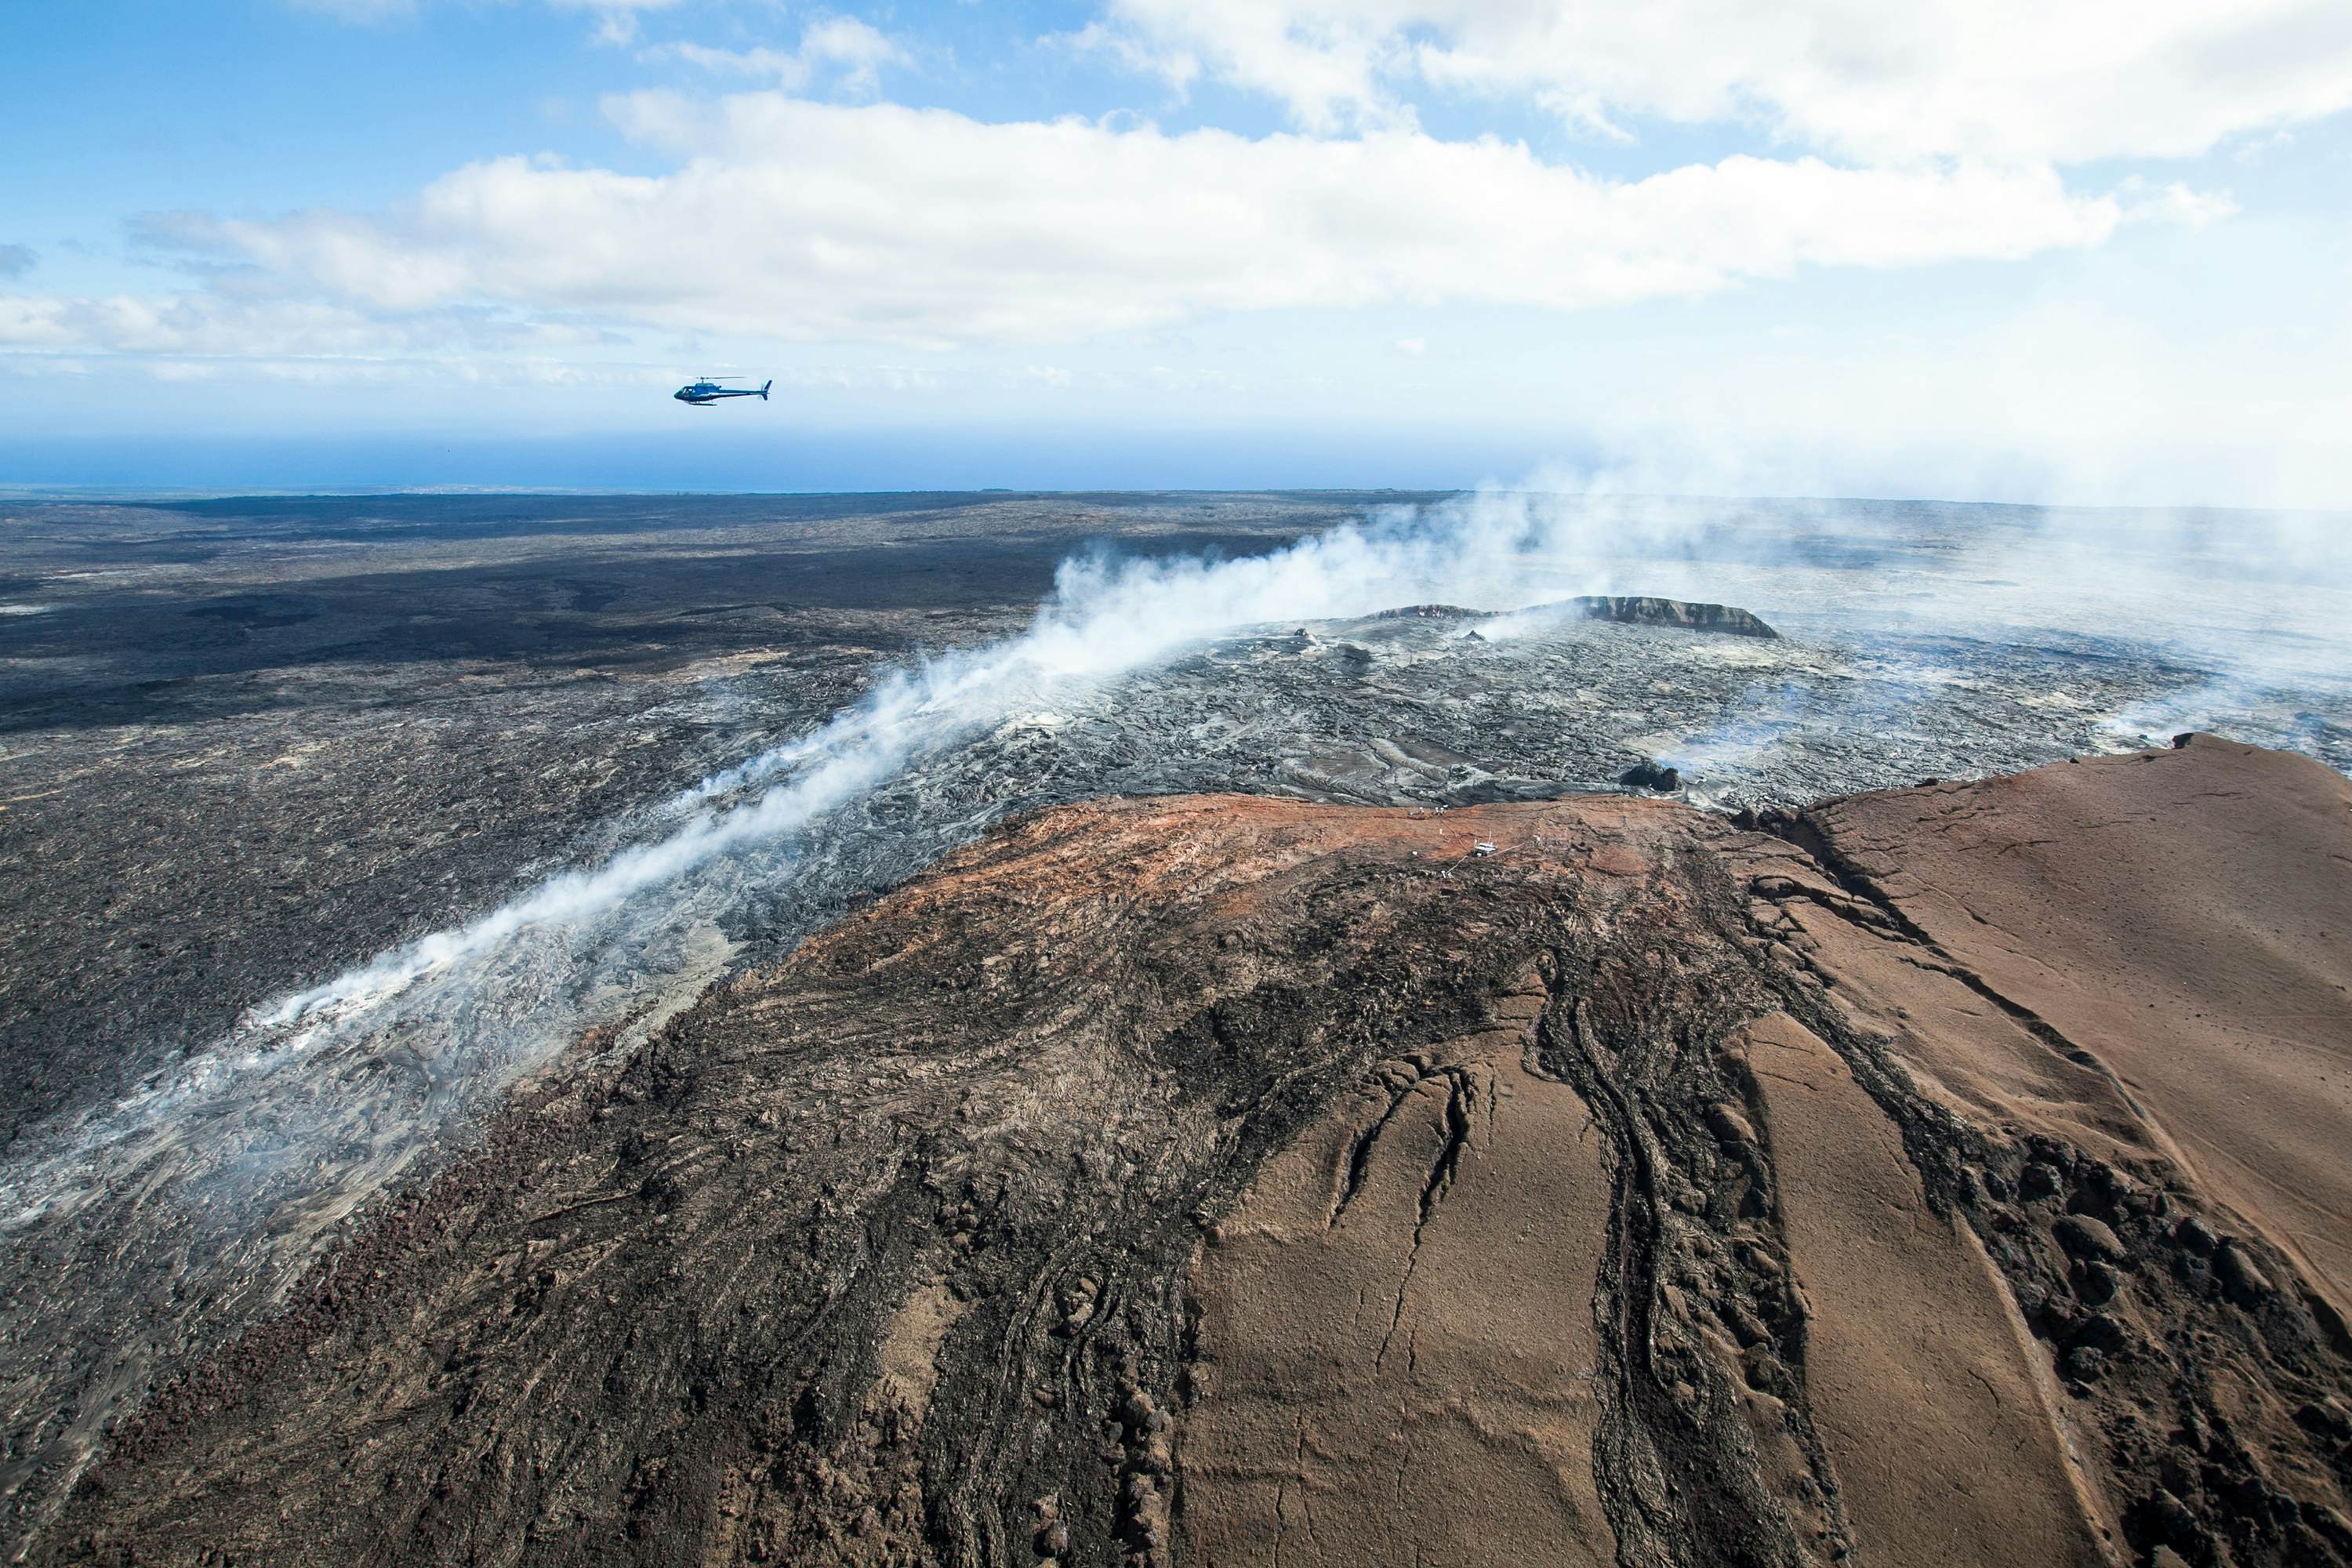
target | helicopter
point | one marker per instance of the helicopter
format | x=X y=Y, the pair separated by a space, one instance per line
x=707 y=391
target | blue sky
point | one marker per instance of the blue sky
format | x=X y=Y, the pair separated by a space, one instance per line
x=2097 y=252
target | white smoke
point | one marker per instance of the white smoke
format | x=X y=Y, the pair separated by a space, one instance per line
x=172 y=1215
x=1105 y=618
x=1496 y=549
x=175 y=1214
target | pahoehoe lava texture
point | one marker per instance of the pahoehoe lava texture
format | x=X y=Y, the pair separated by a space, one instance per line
x=1643 y=610
x=244 y=745
x=1236 y=1180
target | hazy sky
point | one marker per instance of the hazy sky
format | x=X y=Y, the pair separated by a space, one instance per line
x=2063 y=249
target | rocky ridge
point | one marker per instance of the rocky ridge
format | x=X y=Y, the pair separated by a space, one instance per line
x=1633 y=610
x=1944 y=1175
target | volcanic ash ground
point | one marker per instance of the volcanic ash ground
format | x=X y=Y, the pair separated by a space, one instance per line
x=1951 y=1175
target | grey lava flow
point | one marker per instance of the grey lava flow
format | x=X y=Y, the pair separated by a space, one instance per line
x=393 y=883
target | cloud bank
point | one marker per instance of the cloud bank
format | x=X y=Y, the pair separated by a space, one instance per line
x=1891 y=137
x=926 y=228
x=1939 y=225
x=921 y=228
x=2004 y=80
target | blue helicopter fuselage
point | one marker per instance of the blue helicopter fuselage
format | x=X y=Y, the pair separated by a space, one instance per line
x=702 y=393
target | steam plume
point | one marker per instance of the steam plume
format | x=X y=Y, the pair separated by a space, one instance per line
x=163 y=1221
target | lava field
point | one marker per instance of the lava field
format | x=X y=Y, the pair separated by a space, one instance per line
x=357 y=848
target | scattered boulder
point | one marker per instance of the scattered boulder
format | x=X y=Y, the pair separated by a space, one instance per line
x=1729 y=1126
x=2084 y=1363
x=2241 y=1277
x=2325 y=1415
x=1077 y=1301
x=1743 y=1324
x=2165 y=1521
x=2099 y=1284
x=2089 y=1239
x=1649 y=776
x=2101 y=1332
x=2329 y=1523
x=2109 y=1194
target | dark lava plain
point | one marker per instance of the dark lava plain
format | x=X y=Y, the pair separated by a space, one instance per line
x=246 y=743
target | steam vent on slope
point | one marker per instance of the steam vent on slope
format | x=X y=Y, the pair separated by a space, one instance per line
x=1952 y=1174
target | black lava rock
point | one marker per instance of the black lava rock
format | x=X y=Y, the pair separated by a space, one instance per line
x=1650 y=775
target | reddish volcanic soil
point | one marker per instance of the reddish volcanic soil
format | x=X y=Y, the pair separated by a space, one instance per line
x=1954 y=1175
x=2185 y=919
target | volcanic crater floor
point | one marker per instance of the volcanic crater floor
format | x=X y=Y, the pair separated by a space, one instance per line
x=1949 y=1174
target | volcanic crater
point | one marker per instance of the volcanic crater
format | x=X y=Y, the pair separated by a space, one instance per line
x=1374 y=1087
x=1928 y=1176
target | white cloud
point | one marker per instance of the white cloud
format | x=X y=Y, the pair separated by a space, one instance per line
x=849 y=51
x=878 y=224
x=31 y=321
x=2009 y=79
x=616 y=20
x=1875 y=141
x=2173 y=203
x=213 y=324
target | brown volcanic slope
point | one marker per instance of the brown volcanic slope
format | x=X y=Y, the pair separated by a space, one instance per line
x=1953 y=1176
